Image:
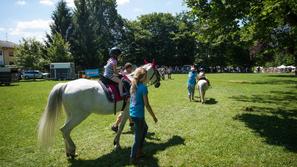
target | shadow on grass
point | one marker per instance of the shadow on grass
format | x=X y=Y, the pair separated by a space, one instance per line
x=278 y=124
x=121 y=157
x=10 y=85
x=211 y=101
x=273 y=80
x=282 y=76
x=280 y=128
x=207 y=101
x=268 y=82
x=280 y=112
x=149 y=135
x=275 y=97
x=33 y=80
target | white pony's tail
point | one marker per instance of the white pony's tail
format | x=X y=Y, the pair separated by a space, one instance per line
x=46 y=129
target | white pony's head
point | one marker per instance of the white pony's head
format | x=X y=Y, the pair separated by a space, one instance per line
x=153 y=76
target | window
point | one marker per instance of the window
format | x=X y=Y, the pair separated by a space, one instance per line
x=11 y=53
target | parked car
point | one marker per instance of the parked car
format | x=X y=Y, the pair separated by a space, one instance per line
x=32 y=74
x=45 y=75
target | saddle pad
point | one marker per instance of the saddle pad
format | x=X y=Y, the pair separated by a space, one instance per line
x=114 y=90
x=111 y=91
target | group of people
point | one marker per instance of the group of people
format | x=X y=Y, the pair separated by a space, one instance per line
x=193 y=78
x=138 y=100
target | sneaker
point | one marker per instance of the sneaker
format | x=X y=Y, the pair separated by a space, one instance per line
x=131 y=124
x=115 y=128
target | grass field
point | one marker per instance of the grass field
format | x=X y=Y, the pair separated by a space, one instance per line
x=249 y=120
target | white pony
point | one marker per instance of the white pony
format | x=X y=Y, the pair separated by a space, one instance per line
x=80 y=98
x=202 y=86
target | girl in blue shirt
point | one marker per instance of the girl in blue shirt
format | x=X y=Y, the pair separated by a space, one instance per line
x=191 y=83
x=138 y=100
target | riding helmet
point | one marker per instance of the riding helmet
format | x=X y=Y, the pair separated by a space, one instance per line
x=201 y=69
x=115 y=51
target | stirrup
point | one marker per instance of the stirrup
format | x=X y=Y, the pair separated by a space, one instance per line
x=131 y=124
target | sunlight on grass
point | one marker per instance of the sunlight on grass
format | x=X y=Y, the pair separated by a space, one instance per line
x=249 y=120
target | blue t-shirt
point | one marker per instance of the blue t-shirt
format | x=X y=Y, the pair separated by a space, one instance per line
x=192 y=77
x=136 y=101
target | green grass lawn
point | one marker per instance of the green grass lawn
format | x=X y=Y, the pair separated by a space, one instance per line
x=249 y=120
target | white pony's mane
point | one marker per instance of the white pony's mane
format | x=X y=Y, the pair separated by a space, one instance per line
x=147 y=67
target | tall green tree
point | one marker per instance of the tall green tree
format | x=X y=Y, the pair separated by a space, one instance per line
x=161 y=36
x=59 y=50
x=107 y=25
x=96 y=28
x=62 y=22
x=184 y=40
x=83 y=45
x=161 y=27
x=150 y=37
x=30 y=54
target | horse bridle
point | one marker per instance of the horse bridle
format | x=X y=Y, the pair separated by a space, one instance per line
x=158 y=77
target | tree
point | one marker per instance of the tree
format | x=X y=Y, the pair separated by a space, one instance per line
x=162 y=27
x=161 y=36
x=150 y=37
x=59 y=50
x=62 y=21
x=96 y=28
x=30 y=55
x=184 y=40
x=249 y=23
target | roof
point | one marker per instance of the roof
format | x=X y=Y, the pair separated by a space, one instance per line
x=7 y=44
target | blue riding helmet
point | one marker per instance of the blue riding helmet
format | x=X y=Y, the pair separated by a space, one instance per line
x=201 y=69
x=115 y=51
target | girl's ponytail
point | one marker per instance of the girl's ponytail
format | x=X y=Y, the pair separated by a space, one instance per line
x=133 y=86
x=139 y=74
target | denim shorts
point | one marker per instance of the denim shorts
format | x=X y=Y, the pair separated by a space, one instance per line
x=191 y=89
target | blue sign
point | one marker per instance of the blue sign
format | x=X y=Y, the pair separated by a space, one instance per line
x=92 y=72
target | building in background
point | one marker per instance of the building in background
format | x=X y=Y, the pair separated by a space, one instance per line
x=7 y=53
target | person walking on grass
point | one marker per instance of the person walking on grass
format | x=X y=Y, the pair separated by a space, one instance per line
x=127 y=70
x=139 y=99
x=192 y=82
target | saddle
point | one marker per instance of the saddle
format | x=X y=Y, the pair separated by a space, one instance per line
x=203 y=78
x=111 y=89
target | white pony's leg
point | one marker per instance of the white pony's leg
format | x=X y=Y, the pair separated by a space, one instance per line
x=200 y=90
x=203 y=94
x=72 y=121
x=198 y=87
x=125 y=115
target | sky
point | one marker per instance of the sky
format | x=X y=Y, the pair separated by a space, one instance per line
x=31 y=18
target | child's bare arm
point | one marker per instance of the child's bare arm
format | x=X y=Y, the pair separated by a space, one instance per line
x=114 y=67
x=149 y=108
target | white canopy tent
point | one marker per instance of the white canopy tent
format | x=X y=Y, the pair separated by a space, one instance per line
x=282 y=67
x=292 y=67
